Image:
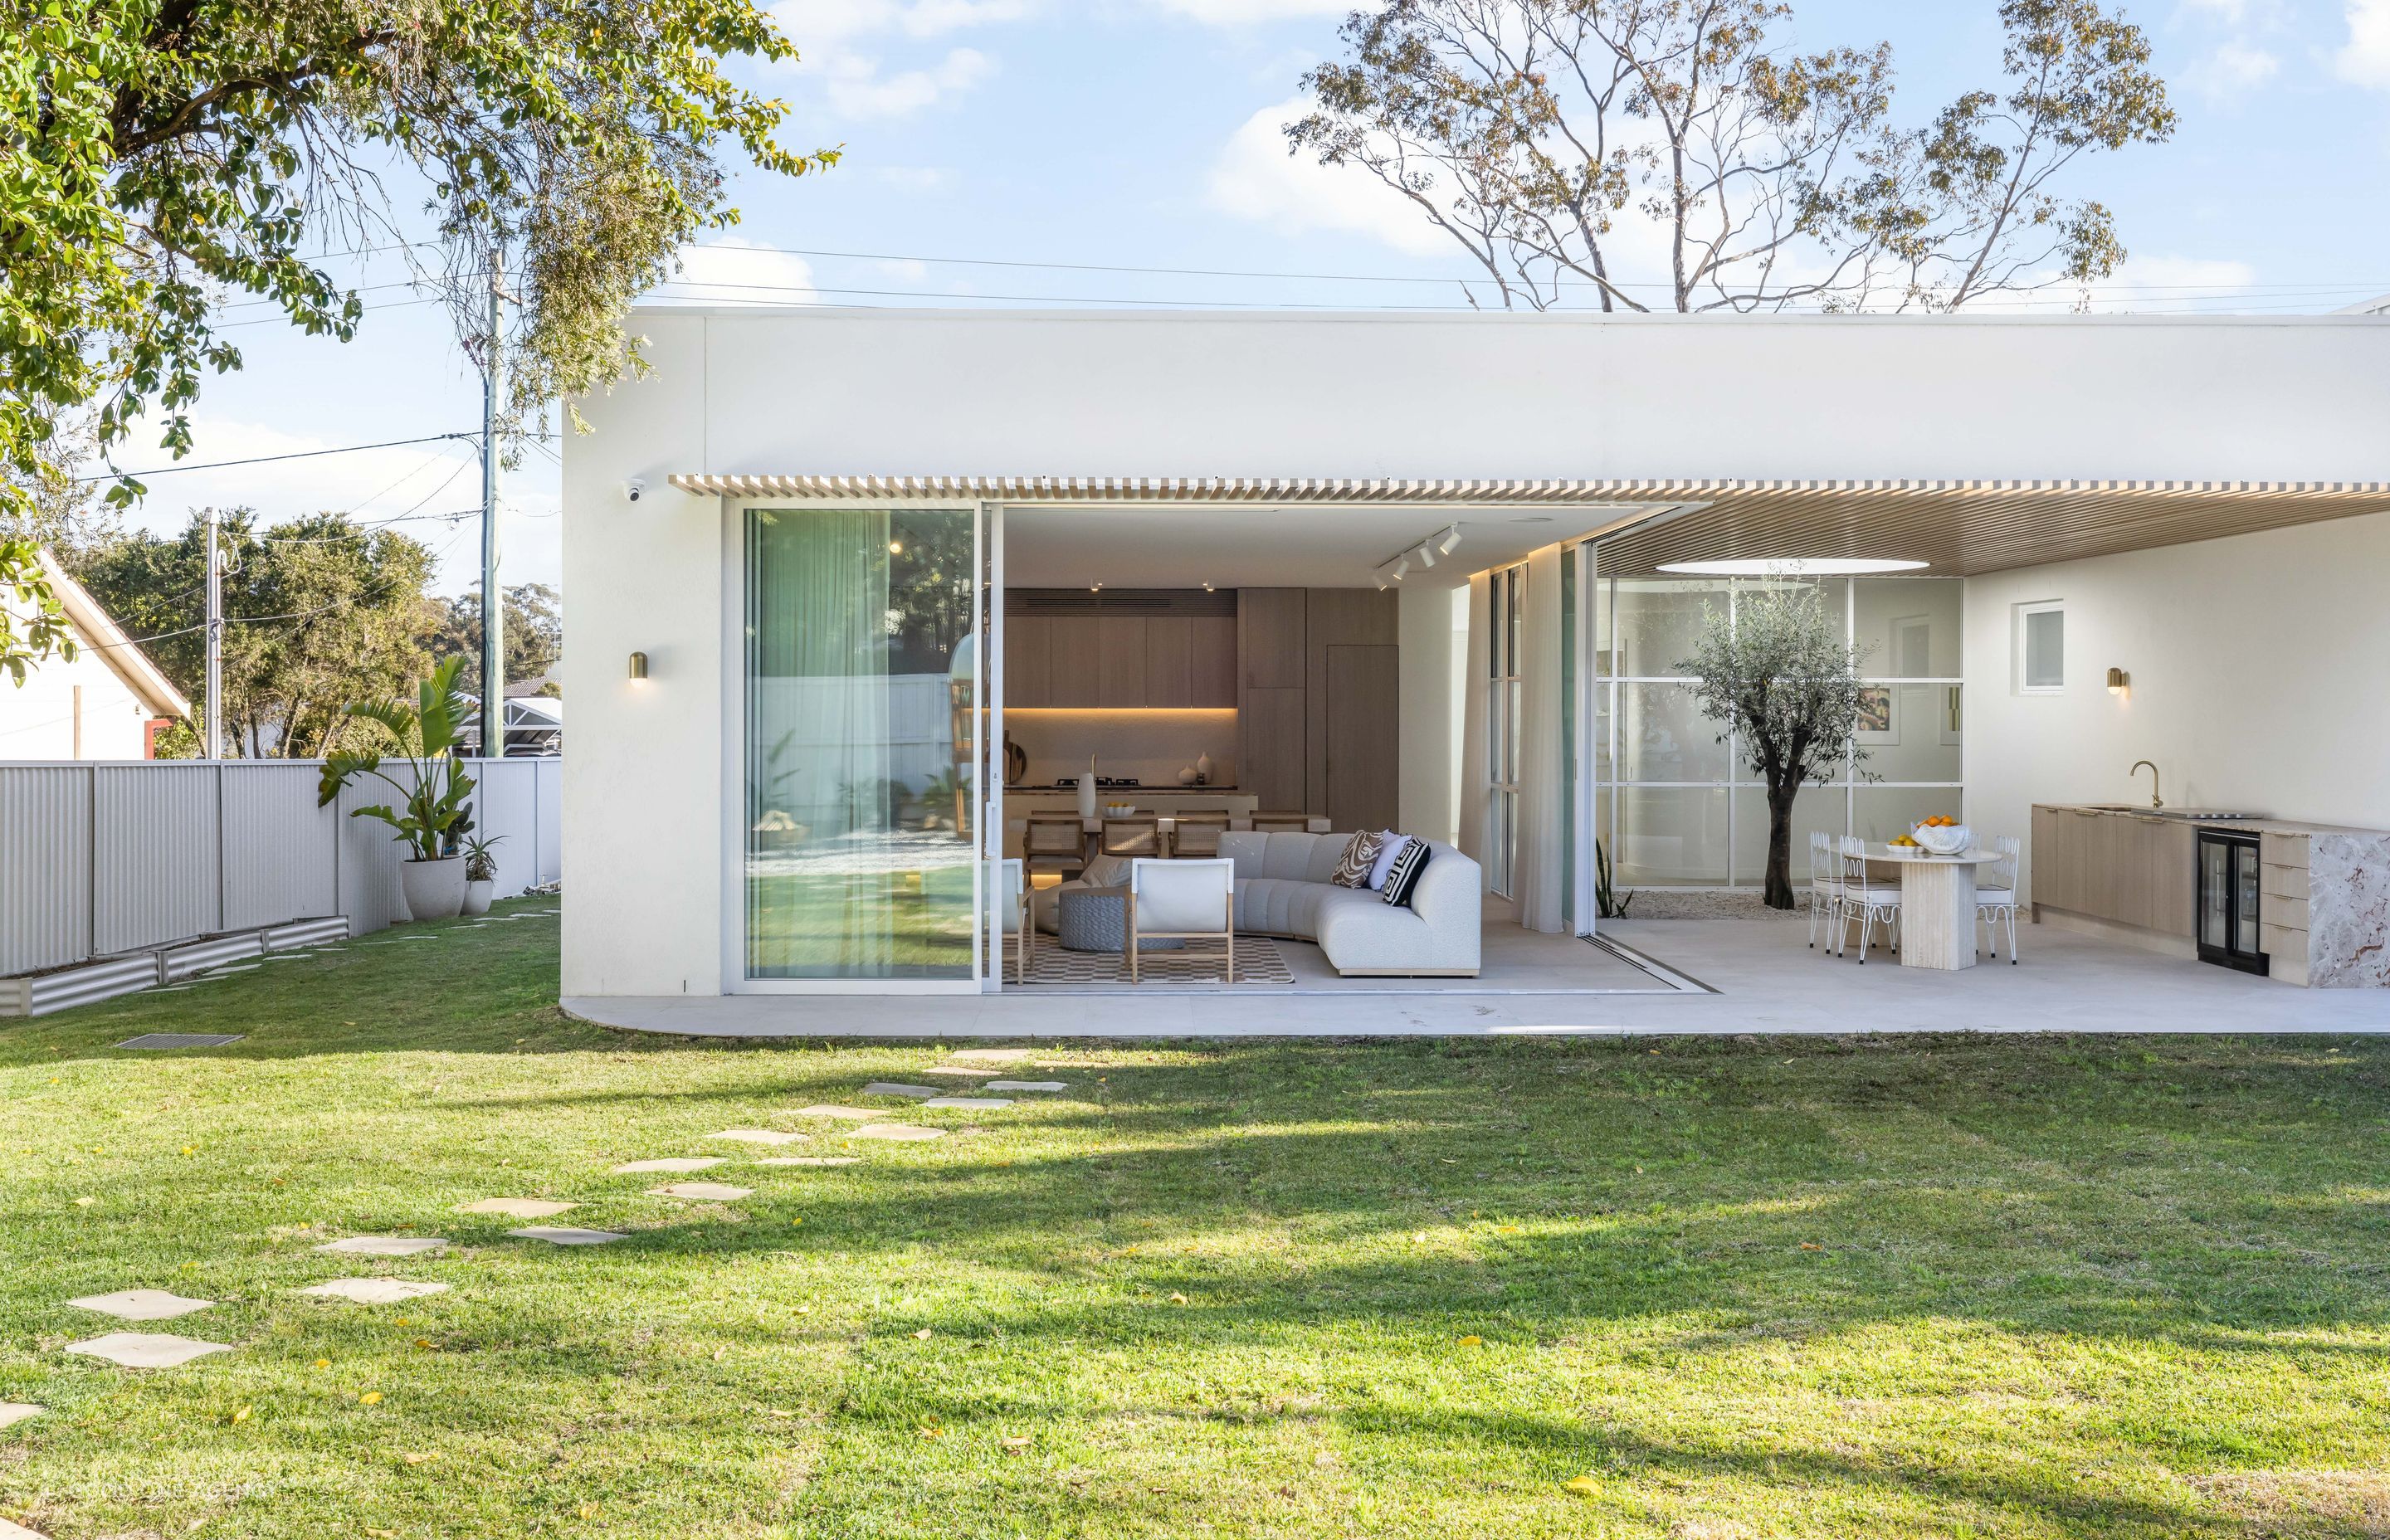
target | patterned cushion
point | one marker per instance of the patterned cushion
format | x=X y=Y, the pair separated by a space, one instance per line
x=1352 y=866
x=1405 y=875
x=1392 y=846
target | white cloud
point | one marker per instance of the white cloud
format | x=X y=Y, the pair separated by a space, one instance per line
x=2365 y=58
x=1255 y=178
x=733 y=270
x=2231 y=73
x=857 y=84
x=857 y=89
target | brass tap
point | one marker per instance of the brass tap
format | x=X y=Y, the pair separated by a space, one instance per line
x=2156 y=802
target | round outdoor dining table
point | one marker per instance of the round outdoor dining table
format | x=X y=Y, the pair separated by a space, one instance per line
x=1937 y=904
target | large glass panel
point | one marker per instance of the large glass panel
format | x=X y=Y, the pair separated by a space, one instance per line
x=1659 y=621
x=1909 y=628
x=1670 y=836
x=1663 y=737
x=1879 y=811
x=2045 y=650
x=858 y=862
x=1815 y=807
x=1910 y=732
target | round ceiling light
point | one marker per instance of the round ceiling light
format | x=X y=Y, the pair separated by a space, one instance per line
x=1791 y=567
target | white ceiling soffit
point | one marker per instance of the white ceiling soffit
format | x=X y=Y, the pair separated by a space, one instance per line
x=1170 y=489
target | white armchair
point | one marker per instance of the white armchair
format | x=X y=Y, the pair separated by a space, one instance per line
x=1182 y=901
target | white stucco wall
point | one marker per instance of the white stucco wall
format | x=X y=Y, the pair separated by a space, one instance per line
x=884 y=393
x=38 y=721
x=2260 y=669
x=1429 y=761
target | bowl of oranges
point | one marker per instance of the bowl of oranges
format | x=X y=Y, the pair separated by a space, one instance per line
x=1939 y=835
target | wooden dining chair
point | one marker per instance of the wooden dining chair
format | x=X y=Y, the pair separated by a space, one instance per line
x=1198 y=834
x=1055 y=842
x=1281 y=822
x=1135 y=836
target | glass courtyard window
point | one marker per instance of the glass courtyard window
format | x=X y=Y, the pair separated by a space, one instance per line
x=858 y=861
x=2042 y=648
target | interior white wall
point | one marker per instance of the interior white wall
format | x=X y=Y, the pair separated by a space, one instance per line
x=1433 y=626
x=2260 y=669
x=644 y=815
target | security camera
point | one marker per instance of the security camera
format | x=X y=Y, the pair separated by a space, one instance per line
x=634 y=489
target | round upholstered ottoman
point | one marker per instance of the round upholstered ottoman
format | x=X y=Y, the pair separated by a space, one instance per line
x=1096 y=920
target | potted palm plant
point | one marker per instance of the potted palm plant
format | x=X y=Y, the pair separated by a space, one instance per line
x=432 y=815
x=481 y=873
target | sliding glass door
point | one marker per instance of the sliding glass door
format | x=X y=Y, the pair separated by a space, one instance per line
x=863 y=701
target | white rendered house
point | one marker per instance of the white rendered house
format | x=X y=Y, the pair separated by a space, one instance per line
x=1408 y=570
x=108 y=702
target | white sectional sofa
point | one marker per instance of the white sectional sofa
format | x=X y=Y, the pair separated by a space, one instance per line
x=1282 y=889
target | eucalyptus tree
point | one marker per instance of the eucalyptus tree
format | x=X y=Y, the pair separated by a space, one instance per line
x=1672 y=155
x=158 y=156
x=1776 y=671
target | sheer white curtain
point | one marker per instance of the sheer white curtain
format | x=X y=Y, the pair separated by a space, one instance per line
x=1536 y=884
x=1472 y=833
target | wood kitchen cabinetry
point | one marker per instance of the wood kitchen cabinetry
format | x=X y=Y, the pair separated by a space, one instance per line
x=1167 y=649
x=2118 y=867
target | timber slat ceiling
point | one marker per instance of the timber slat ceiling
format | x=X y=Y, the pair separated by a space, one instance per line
x=1958 y=528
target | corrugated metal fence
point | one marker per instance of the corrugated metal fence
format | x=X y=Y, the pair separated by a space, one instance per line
x=103 y=857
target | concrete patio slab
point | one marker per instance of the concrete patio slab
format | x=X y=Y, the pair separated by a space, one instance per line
x=17 y=1411
x=670 y=1162
x=145 y=1350
x=374 y=1290
x=141 y=1305
x=900 y=1132
x=158 y=1041
x=555 y=1235
x=702 y=1192
x=761 y=1135
x=385 y=1245
x=518 y=1207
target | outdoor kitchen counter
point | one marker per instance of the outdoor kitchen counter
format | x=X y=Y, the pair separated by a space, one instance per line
x=2323 y=903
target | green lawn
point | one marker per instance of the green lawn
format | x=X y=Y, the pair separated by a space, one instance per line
x=1741 y=1288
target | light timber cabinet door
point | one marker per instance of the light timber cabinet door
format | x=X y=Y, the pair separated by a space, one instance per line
x=1028 y=662
x=1075 y=647
x=1119 y=668
x=1168 y=660
x=1270 y=761
x=1363 y=736
x=1212 y=661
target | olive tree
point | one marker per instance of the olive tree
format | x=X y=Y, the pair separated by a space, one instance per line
x=1776 y=672
x=158 y=156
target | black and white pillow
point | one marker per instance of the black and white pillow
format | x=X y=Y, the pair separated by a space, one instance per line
x=1352 y=866
x=1404 y=875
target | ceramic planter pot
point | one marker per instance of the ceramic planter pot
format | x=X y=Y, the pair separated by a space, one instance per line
x=477 y=897
x=434 y=890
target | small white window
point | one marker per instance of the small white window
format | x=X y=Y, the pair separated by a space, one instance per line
x=2042 y=648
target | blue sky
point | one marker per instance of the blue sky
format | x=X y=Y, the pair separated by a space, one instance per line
x=1142 y=133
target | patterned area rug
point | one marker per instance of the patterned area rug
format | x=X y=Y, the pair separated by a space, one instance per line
x=1257 y=963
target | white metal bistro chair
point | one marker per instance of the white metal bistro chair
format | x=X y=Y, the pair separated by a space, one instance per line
x=1825 y=886
x=1182 y=901
x=1996 y=901
x=1019 y=925
x=1865 y=898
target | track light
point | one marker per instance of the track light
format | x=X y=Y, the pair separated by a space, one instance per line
x=1426 y=553
x=1449 y=541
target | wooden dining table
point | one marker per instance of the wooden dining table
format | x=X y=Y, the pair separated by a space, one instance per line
x=1937 y=904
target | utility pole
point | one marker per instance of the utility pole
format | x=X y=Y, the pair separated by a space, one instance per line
x=493 y=608
x=215 y=642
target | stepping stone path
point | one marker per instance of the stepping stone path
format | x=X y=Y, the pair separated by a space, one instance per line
x=888 y=1088
x=141 y=1305
x=180 y=1040
x=810 y=1160
x=988 y=1056
x=903 y=1133
x=974 y=1070
x=676 y=1162
x=760 y=1135
x=852 y=1114
x=144 y=1349
x=517 y=1208
x=969 y=1104
x=17 y=1411
x=386 y=1245
x=375 y=1290
x=1028 y=1086
x=563 y=1235
x=704 y=1192
x=18 y=1532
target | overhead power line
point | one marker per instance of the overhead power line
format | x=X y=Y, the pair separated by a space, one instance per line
x=268 y=460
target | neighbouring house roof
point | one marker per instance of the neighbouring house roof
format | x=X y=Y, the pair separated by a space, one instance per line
x=1959 y=528
x=98 y=630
